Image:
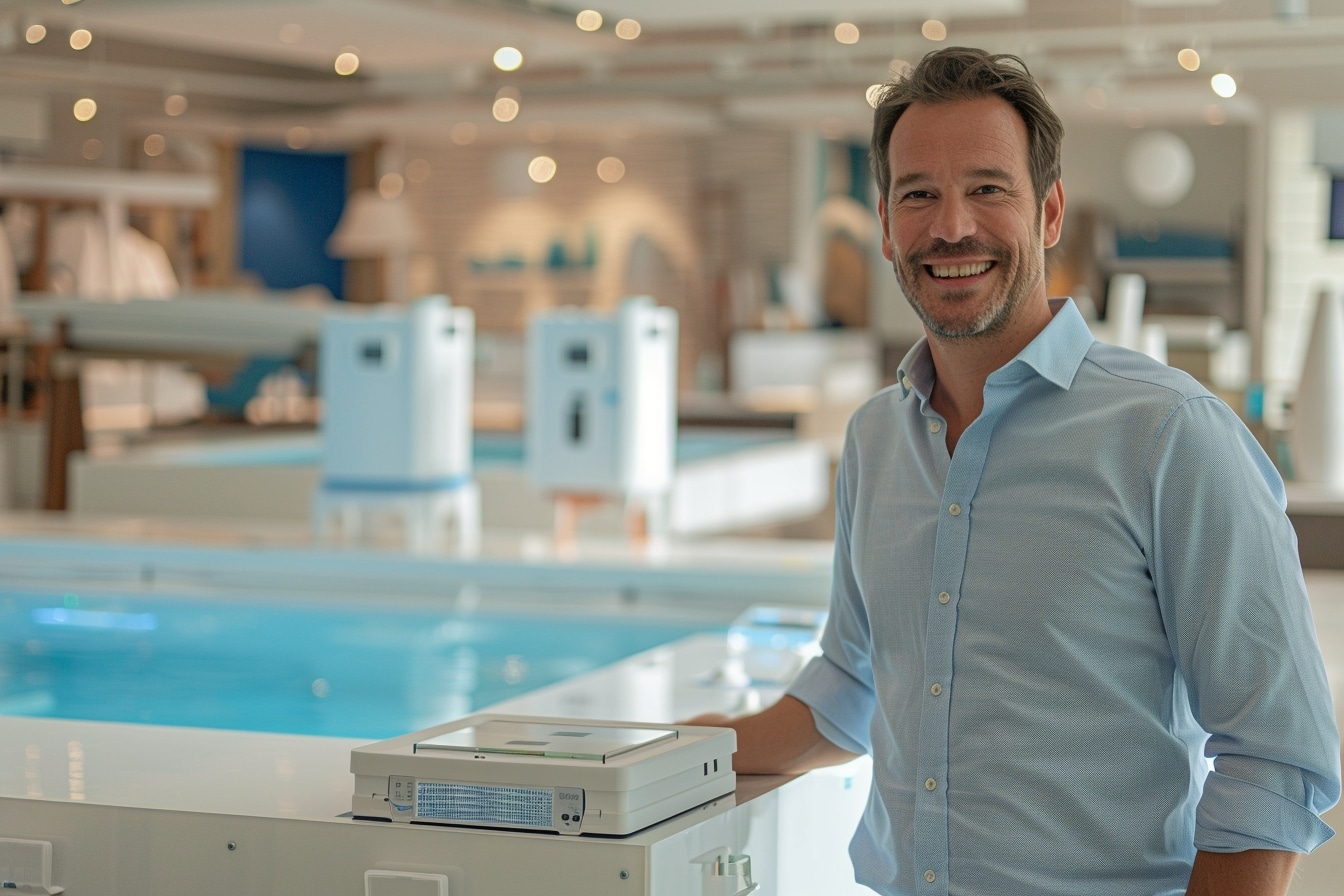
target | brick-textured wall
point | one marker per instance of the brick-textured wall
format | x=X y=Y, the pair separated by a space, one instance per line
x=702 y=206
x=1301 y=260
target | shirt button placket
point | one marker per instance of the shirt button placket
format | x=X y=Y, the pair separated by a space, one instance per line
x=934 y=798
x=932 y=805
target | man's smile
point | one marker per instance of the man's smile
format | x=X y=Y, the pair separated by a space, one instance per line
x=948 y=271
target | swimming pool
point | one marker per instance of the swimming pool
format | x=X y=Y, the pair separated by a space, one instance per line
x=293 y=663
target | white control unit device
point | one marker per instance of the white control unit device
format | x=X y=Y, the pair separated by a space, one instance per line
x=543 y=774
x=601 y=400
x=397 y=397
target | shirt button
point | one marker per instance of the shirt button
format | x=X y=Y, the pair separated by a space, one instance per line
x=954 y=509
x=930 y=876
x=936 y=690
x=944 y=597
x=935 y=427
x=905 y=381
x=930 y=784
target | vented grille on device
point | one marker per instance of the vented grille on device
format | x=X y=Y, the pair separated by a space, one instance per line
x=516 y=806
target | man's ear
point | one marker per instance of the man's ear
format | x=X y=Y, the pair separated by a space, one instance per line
x=886 y=233
x=1052 y=217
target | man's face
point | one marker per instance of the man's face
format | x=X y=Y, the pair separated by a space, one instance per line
x=961 y=224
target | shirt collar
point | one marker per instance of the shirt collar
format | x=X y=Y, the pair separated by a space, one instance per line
x=916 y=371
x=1055 y=355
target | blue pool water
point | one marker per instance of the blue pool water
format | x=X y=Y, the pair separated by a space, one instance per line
x=371 y=670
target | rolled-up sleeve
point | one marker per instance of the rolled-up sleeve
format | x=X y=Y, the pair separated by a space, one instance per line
x=1226 y=571
x=838 y=685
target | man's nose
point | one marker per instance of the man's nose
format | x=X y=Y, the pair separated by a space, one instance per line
x=954 y=220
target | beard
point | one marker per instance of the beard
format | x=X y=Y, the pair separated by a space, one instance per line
x=1023 y=273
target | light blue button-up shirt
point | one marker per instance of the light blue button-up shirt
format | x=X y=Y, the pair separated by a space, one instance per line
x=1041 y=638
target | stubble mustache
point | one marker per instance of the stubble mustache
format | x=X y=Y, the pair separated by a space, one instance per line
x=941 y=250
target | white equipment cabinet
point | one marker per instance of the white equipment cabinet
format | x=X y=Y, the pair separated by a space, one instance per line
x=397 y=396
x=397 y=424
x=601 y=400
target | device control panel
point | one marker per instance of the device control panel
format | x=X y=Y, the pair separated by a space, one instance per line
x=569 y=810
x=401 y=797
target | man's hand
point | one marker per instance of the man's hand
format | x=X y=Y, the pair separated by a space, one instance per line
x=780 y=740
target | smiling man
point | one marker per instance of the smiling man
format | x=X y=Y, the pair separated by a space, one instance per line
x=1064 y=579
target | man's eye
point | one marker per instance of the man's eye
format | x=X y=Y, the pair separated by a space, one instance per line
x=918 y=194
x=989 y=188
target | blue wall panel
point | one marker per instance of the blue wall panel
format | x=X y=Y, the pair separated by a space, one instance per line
x=289 y=205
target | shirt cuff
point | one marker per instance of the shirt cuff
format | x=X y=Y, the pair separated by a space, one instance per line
x=842 y=707
x=1235 y=815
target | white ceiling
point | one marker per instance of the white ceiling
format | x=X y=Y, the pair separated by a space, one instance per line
x=697 y=64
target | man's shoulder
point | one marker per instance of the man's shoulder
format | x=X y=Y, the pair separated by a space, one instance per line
x=884 y=402
x=1138 y=376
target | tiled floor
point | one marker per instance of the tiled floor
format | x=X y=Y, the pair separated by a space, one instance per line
x=1322 y=872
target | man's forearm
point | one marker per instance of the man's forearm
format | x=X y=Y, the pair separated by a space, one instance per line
x=780 y=740
x=1255 y=872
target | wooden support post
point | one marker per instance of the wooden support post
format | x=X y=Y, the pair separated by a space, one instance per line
x=65 y=420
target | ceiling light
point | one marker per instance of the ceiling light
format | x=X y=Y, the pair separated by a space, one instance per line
x=70 y=2
x=589 y=20
x=347 y=63
x=80 y=39
x=1224 y=85
x=627 y=29
x=934 y=30
x=899 y=68
x=92 y=148
x=610 y=170
x=35 y=34
x=291 y=33
x=85 y=109
x=464 y=133
x=298 y=137
x=874 y=94
x=1188 y=59
x=505 y=109
x=154 y=145
x=174 y=104
x=847 y=33
x=1215 y=114
x=541 y=169
x=508 y=59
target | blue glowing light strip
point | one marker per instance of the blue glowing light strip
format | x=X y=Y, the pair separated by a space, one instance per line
x=104 y=619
